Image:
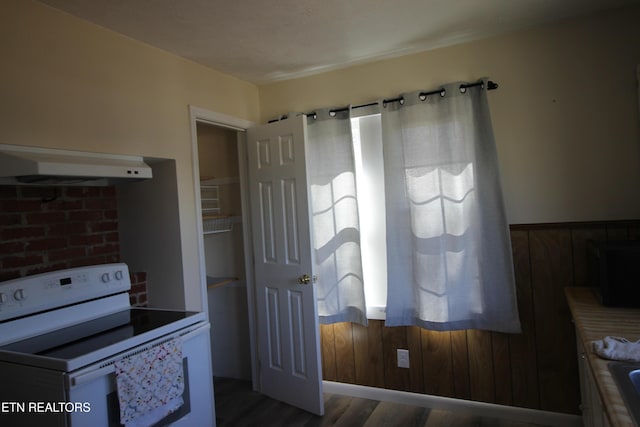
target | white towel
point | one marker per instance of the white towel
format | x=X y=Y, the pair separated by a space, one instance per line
x=150 y=384
x=617 y=348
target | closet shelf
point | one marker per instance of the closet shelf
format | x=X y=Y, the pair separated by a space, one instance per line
x=212 y=224
x=217 y=282
x=213 y=221
x=209 y=180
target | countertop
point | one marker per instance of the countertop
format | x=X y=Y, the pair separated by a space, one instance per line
x=593 y=322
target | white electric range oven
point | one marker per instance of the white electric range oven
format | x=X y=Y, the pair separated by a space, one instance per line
x=64 y=333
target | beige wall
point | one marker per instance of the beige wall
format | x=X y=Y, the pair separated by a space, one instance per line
x=217 y=152
x=66 y=83
x=565 y=115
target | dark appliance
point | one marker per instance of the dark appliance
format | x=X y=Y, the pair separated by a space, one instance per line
x=614 y=270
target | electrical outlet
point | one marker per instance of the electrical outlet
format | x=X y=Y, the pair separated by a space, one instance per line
x=403 y=358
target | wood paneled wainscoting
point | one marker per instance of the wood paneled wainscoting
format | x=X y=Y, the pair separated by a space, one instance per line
x=535 y=369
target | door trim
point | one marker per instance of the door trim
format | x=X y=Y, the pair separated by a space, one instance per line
x=200 y=115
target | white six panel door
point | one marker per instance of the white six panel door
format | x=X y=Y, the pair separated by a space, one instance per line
x=287 y=321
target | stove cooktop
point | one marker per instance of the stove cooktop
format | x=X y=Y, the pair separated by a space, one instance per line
x=76 y=346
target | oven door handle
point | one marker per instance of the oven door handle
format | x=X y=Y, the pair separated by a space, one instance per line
x=110 y=368
x=90 y=376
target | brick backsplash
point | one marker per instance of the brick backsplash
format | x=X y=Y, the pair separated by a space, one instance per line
x=138 y=293
x=51 y=228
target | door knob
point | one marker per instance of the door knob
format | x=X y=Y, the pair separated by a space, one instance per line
x=305 y=279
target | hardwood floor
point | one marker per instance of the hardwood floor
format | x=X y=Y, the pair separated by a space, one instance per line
x=238 y=405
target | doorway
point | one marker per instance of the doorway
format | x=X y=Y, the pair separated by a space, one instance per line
x=222 y=234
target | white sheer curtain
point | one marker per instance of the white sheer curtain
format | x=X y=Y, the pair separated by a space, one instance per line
x=335 y=223
x=448 y=246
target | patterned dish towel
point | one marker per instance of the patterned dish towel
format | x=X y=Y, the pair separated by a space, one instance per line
x=150 y=384
x=617 y=348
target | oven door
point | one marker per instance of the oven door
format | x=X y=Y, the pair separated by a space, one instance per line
x=94 y=387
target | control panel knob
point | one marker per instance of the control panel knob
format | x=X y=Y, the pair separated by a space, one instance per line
x=19 y=294
x=3 y=298
x=119 y=275
x=105 y=278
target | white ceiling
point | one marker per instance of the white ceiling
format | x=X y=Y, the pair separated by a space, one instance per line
x=263 y=41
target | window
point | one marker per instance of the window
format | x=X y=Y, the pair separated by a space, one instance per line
x=444 y=263
x=367 y=147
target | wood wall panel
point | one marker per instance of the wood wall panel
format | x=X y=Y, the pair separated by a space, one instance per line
x=437 y=363
x=460 y=362
x=344 y=349
x=618 y=232
x=393 y=339
x=551 y=272
x=522 y=347
x=501 y=368
x=367 y=346
x=414 y=345
x=481 y=379
x=327 y=346
x=534 y=369
x=579 y=237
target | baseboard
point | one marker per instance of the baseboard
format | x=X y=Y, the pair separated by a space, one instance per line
x=482 y=409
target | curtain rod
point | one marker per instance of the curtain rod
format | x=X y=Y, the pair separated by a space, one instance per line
x=490 y=86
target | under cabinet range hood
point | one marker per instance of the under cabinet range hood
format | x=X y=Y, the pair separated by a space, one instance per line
x=22 y=165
